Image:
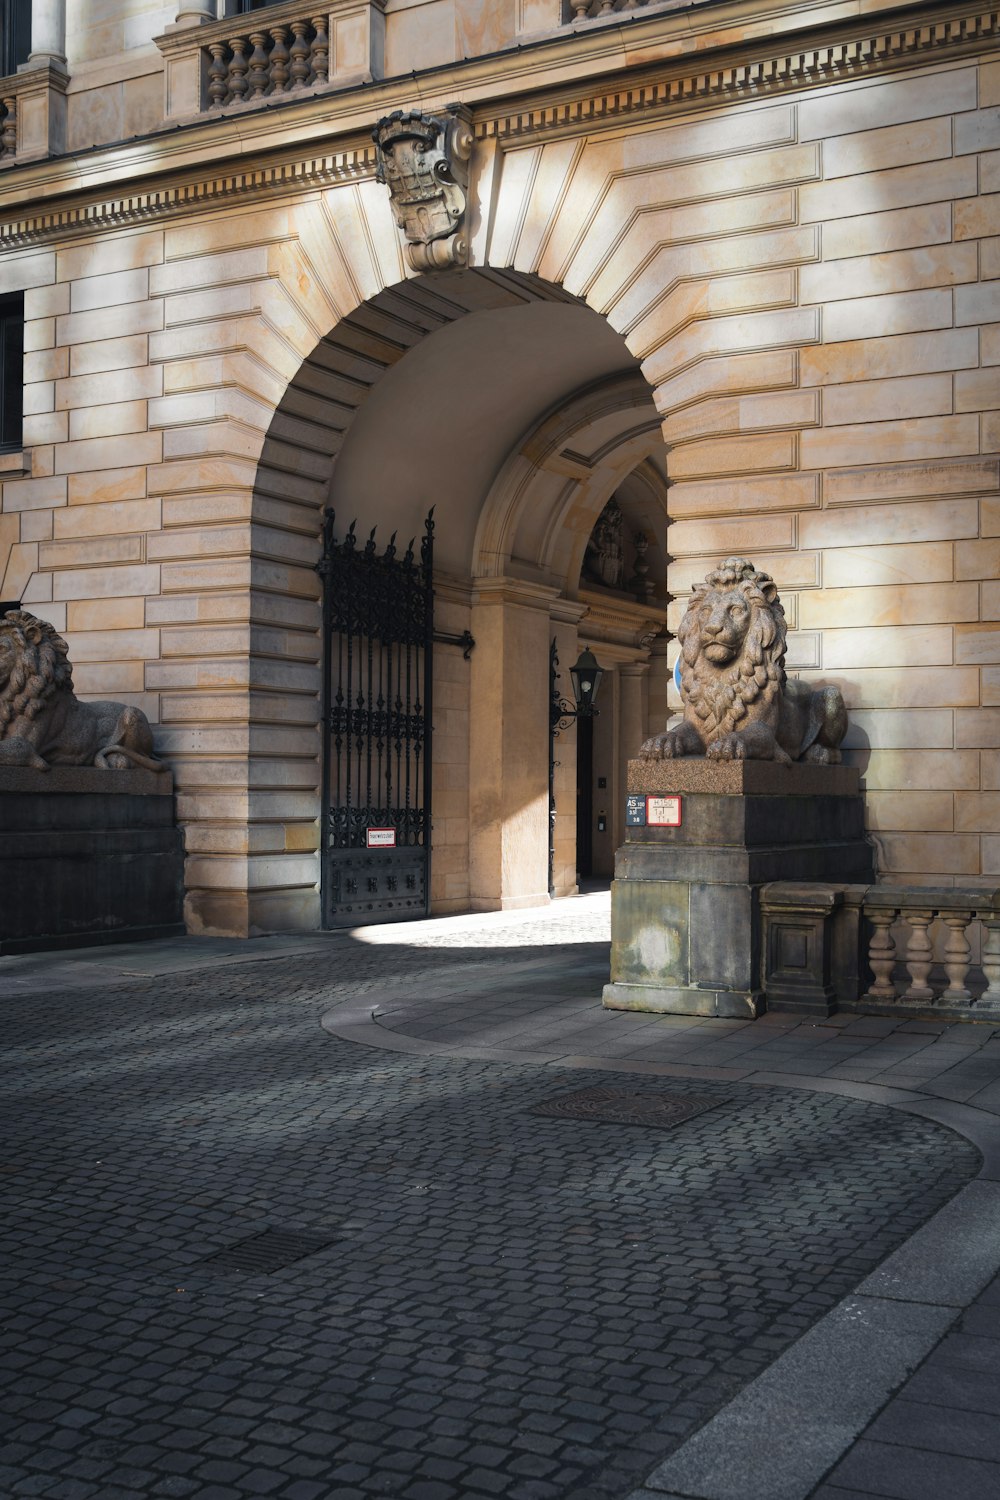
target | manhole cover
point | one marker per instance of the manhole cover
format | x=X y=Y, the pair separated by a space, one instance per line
x=269 y=1251
x=626 y=1107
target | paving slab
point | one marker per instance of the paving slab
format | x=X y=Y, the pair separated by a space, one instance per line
x=780 y=1436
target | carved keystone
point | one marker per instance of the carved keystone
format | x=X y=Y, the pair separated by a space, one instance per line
x=424 y=162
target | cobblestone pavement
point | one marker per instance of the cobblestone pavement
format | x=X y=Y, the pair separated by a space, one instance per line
x=506 y=1305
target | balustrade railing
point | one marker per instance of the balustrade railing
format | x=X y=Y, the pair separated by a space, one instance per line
x=8 y=127
x=927 y=984
x=597 y=10
x=882 y=948
x=268 y=61
x=272 y=54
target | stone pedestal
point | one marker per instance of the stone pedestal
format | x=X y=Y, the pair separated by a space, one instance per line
x=87 y=856
x=685 y=909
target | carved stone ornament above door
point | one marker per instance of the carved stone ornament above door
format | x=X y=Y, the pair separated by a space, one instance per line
x=424 y=161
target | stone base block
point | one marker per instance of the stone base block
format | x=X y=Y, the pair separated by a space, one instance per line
x=733 y=1005
x=686 y=925
x=87 y=857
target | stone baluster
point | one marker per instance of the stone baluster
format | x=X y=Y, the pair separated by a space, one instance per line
x=320 y=51
x=606 y=8
x=299 y=55
x=990 y=921
x=9 y=137
x=218 y=75
x=882 y=954
x=581 y=9
x=279 y=59
x=238 y=65
x=956 y=957
x=258 y=77
x=919 y=955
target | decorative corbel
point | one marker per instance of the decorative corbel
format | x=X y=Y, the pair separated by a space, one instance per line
x=424 y=161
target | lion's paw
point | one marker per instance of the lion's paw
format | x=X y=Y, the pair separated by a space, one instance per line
x=660 y=747
x=822 y=755
x=17 y=751
x=727 y=747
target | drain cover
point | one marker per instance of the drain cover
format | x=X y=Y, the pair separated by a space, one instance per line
x=626 y=1107
x=272 y=1250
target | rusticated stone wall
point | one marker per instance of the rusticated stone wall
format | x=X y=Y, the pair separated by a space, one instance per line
x=810 y=284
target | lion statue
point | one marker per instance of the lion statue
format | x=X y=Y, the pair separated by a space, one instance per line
x=42 y=722
x=738 y=703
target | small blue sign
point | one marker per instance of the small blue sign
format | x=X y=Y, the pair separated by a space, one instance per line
x=677 y=674
x=635 y=810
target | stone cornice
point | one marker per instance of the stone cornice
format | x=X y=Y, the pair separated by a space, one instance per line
x=519 y=591
x=758 y=70
x=205 y=164
x=619 y=620
x=63 y=218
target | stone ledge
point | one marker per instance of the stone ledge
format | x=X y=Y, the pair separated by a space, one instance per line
x=741 y=778
x=77 y=779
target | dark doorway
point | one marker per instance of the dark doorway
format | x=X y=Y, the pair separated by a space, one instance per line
x=584 y=798
x=15 y=34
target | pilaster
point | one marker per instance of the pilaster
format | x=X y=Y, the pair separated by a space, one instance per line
x=509 y=744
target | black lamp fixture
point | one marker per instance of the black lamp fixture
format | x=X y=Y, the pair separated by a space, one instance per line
x=585 y=675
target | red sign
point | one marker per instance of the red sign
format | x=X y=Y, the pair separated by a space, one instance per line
x=663 y=812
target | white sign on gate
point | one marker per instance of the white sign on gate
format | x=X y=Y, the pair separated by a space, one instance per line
x=380 y=838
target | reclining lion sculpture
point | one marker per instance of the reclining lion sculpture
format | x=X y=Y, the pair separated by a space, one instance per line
x=738 y=703
x=43 y=723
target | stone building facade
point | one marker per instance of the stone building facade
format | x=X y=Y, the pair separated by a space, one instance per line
x=731 y=266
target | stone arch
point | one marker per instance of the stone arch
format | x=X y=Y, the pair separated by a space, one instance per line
x=544 y=501
x=517 y=411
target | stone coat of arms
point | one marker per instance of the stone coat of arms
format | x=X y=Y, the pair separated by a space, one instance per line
x=424 y=162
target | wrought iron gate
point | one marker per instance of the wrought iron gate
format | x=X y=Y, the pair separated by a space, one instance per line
x=378 y=627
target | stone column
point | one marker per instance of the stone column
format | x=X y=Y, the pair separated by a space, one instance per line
x=48 y=33
x=509 y=745
x=196 y=12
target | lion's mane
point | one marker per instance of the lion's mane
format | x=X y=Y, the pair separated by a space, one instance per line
x=41 y=668
x=719 y=700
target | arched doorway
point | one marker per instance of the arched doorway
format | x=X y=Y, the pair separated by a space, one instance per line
x=517 y=412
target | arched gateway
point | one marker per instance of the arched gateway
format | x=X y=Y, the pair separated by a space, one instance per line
x=519 y=414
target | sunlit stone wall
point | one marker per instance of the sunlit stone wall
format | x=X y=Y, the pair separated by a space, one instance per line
x=810 y=283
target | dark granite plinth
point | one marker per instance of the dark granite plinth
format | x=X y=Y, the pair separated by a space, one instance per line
x=738 y=778
x=87 y=856
x=85 y=779
x=685 y=914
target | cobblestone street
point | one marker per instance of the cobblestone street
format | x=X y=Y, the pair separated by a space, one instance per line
x=444 y=1295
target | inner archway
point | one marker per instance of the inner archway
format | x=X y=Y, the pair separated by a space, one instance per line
x=517 y=412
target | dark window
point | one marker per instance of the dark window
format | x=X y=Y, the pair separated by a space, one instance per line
x=15 y=34
x=243 y=7
x=11 y=371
